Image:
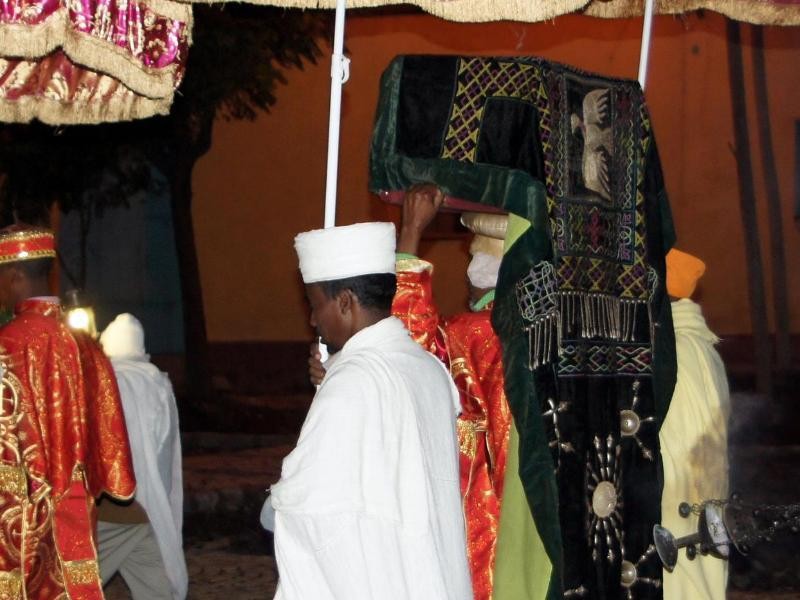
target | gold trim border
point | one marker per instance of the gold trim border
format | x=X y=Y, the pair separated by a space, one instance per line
x=81 y=572
x=413 y=265
x=13 y=481
x=26 y=234
x=11 y=584
x=53 y=112
x=31 y=255
x=765 y=13
x=464 y=11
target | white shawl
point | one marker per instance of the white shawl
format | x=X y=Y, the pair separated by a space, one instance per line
x=368 y=505
x=151 y=417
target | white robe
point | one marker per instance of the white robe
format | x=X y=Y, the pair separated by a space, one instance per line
x=151 y=417
x=368 y=506
x=694 y=449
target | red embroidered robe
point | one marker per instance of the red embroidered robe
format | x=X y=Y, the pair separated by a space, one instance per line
x=64 y=442
x=467 y=344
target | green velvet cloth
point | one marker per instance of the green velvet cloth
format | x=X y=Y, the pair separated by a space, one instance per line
x=503 y=162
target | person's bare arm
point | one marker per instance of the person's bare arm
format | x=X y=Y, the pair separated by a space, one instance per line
x=420 y=205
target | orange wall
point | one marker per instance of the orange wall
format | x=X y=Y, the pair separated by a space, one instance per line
x=263 y=181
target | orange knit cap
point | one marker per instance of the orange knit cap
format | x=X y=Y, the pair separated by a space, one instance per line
x=683 y=273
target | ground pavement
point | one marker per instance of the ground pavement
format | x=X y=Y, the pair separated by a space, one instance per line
x=229 y=556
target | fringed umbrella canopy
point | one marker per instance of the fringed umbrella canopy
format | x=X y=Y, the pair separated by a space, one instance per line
x=92 y=61
x=765 y=12
x=762 y=12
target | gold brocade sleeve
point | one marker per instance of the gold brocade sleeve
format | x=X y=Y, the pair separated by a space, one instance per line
x=413 y=304
x=476 y=366
x=109 y=466
x=46 y=529
x=477 y=370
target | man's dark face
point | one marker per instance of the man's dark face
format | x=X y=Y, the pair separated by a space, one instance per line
x=328 y=317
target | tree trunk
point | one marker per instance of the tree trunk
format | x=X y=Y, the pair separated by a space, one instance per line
x=797 y=172
x=747 y=201
x=191 y=135
x=198 y=364
x=780 y=302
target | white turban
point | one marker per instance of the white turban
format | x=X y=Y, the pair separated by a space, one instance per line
x=124 y=338
x=349 y=251
x=482 y=270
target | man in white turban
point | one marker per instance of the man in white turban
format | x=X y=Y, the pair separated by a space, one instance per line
x=368 y=505
x=144 y=541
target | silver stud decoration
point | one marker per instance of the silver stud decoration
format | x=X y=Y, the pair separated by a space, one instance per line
x=627 y=573
x=604 y=499
x=554 y=409
x=630 y=578
x=630 y=422
x=577 y=592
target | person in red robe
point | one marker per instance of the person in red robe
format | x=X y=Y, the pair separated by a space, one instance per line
x=467 y=343
x=63 y=442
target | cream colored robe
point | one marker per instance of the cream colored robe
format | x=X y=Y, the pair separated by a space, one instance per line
x=694 y=446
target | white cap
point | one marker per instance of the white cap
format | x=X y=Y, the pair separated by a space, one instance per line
x=483 y=270
x=124 y=338
x=487 y=224
x=348 y=251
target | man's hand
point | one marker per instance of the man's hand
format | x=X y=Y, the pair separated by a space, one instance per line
x=316 y=372
x=420 y=205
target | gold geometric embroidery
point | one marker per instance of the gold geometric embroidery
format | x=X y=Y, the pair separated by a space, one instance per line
x=13 y=481
x=11 y=585
x=479 y=79
x=80 y=572
x=468 y=436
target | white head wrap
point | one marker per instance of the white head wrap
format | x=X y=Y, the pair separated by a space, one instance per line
x=486 y=247
x=124 y=338
x=482 y=270
x=348 y=251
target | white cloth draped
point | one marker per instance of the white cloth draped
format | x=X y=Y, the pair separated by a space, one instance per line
x=694 y=449
x=368 y=505
x=151 y=416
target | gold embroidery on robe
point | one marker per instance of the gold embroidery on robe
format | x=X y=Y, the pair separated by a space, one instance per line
x=467 y=344
x=63 y=437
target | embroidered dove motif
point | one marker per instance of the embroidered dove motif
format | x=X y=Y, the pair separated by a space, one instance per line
x=595 y=139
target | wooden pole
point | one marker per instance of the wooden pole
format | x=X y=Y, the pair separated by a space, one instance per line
x=780 y=302
x=747 y=202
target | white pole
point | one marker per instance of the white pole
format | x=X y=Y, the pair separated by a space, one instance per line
x=647 y=30
x=340 y=72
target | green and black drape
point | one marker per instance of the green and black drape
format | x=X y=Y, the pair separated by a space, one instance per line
x=581 y=305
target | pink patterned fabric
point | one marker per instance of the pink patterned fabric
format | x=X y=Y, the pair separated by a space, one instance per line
x=152 y=39
x=86 y=61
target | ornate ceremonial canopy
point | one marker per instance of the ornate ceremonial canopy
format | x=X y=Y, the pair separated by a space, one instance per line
x=763 y=12
x=91 y=61
x=767 y=12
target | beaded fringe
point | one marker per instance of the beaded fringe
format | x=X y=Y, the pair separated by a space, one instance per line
x=584 y=316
